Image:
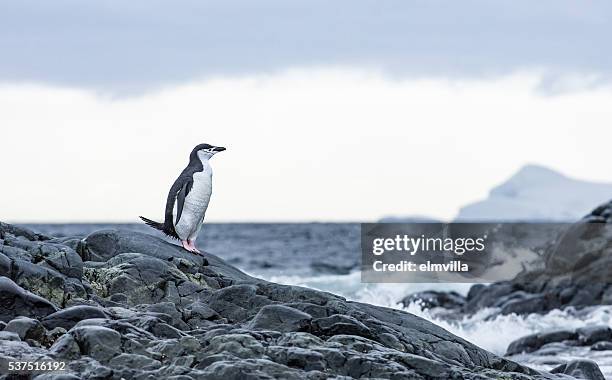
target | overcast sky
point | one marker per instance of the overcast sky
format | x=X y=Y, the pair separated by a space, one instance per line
x=343 y=110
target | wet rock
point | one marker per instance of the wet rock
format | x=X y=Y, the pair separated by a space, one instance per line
x=481 y=296
x=431 y=299
x=533 y=342
x=333 y=267
x=592 y=334
x=580 y=369
x=574 y=271
x=526 y=304
x=602 y=346
x=15 y=301
x=280 y=318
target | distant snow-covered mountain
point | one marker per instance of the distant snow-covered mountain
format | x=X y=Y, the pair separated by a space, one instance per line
x=536 y=193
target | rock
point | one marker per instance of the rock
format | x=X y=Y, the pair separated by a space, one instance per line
x=306 y=359
x=240 y=345
x=236 y=302
x=146 y=309
x=47 y=254
x=333 y=268
x=129 y=329
x=109 y=243
x=7 y=335
x=144 y=280
x=69 y=317
x=66 y=348
x=11 y=350
x=101 y=343
x=90 y=368
x=26 y=328
x=252 y=369
x=199 y=314
x=535 y=303
x=55 y=376
x=14 y=301
x=580 y=369
x=574 y=271
x=602 y=346
x=6 y=229
x=167 y=349
x=42 y=280
x=134 y=361
x=169 y=309
x=592 y=334
x=481 y=296
x=280 y=318
x=339 y=325
x=431 y=299
x=299 y=339
x=533 y=342
x=53 y=335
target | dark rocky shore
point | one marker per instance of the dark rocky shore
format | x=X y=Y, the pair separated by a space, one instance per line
x=575 y=274
x=129 y=305
x=575 y=271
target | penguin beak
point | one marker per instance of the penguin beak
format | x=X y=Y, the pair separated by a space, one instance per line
x=218 y=149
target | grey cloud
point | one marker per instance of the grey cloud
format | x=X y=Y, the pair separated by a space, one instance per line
x=138 y=45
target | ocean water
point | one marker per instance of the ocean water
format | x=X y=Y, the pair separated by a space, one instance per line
x=326 y=256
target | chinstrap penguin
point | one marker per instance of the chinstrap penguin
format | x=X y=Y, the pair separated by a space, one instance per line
x=188 y=198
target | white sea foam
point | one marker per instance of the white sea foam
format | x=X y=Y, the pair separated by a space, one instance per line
x=496 y=333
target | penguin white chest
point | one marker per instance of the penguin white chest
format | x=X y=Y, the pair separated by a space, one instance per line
x=196 y=203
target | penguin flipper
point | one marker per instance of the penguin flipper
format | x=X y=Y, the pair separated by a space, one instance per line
x=180 y=198
x=181 y=186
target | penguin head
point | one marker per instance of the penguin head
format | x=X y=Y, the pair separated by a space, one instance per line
x=206 y=151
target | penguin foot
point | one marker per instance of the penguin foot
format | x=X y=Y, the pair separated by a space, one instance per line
x=190 y=246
